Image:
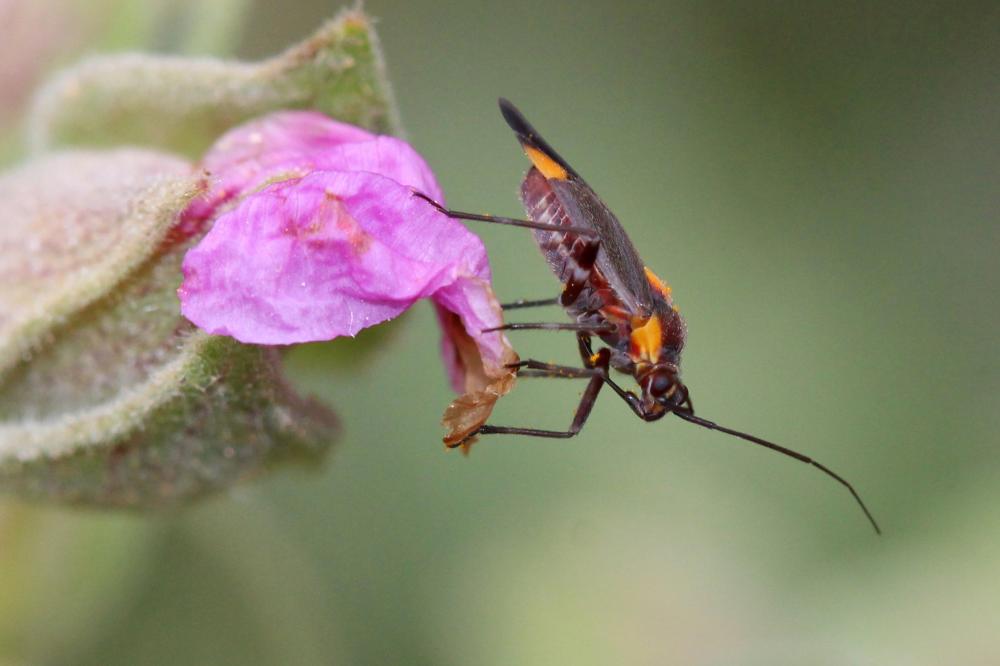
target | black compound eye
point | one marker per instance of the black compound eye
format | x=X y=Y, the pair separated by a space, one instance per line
x=660 y=383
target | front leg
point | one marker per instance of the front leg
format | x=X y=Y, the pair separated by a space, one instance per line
x=598 y=376
x=525 y=303
x=637 y=404
x=587 y=354
x=630 y=398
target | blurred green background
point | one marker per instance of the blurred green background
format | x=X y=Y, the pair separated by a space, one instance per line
x=818 y=182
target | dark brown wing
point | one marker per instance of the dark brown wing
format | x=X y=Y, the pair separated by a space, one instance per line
x=543 y=202
x=553 y=192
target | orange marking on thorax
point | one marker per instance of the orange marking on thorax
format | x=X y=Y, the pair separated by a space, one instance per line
x=646 y=340
x=658 y=284
x=548 y=166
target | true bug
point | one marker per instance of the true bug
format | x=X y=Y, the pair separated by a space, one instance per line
x=609 y=293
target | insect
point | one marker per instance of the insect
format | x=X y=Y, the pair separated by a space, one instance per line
x=609 y=294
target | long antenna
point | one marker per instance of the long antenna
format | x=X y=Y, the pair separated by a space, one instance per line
x=711 y=425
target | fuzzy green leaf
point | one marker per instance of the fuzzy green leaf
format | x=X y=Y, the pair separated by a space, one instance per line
x=73 y=224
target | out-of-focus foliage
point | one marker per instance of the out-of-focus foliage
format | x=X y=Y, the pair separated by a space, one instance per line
x=817 y=183
x=184 y=104
x=43 y=34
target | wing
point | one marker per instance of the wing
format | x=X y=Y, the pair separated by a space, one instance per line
x=553 y=192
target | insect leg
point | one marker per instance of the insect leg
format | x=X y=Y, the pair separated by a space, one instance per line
x=496 y=219
x=577 y=275
x=523 y=303
x=630 y=398
x=541 y=369
x=579 y=418
x=548 y=326
x=586 y=349
x=582 y=412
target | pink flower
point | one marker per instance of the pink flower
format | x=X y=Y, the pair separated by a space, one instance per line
x=317 y=234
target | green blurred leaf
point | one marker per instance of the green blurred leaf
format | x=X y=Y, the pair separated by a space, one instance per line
x=72 y=574
x=184 y=26
x=184 y=104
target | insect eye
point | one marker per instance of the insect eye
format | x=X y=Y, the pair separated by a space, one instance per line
x=660 y=383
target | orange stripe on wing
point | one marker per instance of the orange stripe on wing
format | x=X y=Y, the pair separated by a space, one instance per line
x=657 y=284
x=548 y=166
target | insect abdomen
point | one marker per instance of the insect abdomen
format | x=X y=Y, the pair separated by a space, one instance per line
x=587 y=295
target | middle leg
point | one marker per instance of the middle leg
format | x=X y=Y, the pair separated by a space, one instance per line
x=542 y=369
x=552 y=326
x=525 y=303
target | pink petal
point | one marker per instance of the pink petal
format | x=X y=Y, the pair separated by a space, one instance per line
x=290 y=144
x=471 y=301
x=476 y=361
x=324 y=255
x=317 y=234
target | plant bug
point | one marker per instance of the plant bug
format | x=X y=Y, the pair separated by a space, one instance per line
x=608 y=293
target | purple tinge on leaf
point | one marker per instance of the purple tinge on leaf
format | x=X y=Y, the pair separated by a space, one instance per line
x=317 y=234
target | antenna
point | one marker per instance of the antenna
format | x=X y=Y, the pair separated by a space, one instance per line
x=705 y=423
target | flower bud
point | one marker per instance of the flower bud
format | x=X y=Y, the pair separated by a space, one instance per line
x=107 y=394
